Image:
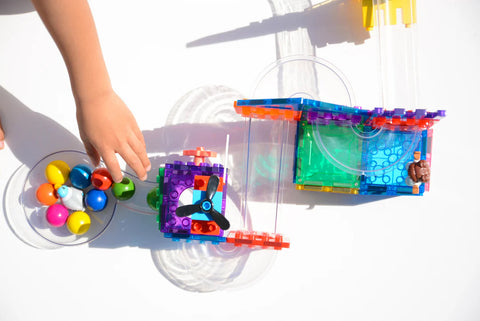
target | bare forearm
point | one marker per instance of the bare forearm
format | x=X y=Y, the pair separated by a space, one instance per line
x=106 y=125
x=71 y=25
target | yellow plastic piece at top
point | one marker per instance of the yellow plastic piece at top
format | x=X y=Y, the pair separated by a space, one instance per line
x=390 y=9
x=57 y=173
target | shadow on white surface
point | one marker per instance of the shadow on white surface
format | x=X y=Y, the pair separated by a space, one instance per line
x=31 y=135
x=15 y=6
x=330 y=22
x=206 y=267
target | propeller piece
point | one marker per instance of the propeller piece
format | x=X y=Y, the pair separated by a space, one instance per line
x=212 y=186
x=187 y=210
x=221 y=220
x=206 y=205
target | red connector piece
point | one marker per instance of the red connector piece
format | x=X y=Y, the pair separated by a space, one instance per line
x=205 y=228
x=201 y=183
x=199 y=154
x=397 y=123
x=262 y=239
x=268 y=113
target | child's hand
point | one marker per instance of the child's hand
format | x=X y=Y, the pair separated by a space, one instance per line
x=106 y=124
x=107 y=127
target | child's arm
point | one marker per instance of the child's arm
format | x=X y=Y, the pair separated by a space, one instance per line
x=105 y=123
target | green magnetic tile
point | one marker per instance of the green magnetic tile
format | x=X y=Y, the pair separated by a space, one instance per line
x=314 y=168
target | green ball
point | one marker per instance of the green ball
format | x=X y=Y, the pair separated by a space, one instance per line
x=123 y=190
x=153 y=199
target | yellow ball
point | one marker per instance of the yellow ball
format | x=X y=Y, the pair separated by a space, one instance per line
x=78 y=222
x=57 y=173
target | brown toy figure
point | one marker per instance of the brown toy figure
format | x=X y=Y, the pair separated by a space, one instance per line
x=419 y=172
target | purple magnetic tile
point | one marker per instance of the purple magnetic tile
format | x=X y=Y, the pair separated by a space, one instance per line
x=181 y=167
x=410 y=114
x=420 y=113
x=356 y=119
x=215 y=170
x=341 y=123
x=317 y=121
x=378 y=111
x=441 y=113
x=224 y=196
x=312 y=115
x=388 y=113
x=177 y=178
x=174 y=185
x=399 y=111
x=173 y=223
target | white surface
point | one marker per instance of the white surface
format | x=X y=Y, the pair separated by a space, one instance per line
x=401 y=258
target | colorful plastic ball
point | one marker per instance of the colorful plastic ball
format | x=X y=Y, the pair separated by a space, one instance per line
x=80 y=176
x=96 y=200
x=153 y=198
x=46 y=194
x=78 y=222
x=101 y=179
x=123 y=190
x=57 y=172
x=57 y=215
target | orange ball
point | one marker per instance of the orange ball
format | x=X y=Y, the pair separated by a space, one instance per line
x=46 y=194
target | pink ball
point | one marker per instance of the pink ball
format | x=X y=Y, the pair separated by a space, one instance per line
x=57 y=215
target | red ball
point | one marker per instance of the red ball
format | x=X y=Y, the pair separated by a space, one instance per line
x=46 y=194
x=101 y=179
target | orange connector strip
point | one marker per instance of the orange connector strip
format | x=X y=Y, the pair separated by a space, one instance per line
x=261 y=239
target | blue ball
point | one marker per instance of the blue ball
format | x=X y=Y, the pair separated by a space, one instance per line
x=80 y=176
x=96 y=200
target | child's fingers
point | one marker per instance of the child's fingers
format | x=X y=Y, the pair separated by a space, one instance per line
x=139 y=149
x=140 y=137
x=134 y=161
x=112 y=164
x=92 y=153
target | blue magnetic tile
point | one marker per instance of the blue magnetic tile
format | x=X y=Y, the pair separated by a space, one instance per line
x=198 y=196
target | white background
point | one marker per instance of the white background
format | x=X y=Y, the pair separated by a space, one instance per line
x=403 y=258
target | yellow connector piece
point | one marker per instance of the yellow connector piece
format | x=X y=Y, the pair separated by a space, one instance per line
x=390 y=9
x=328 y=189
